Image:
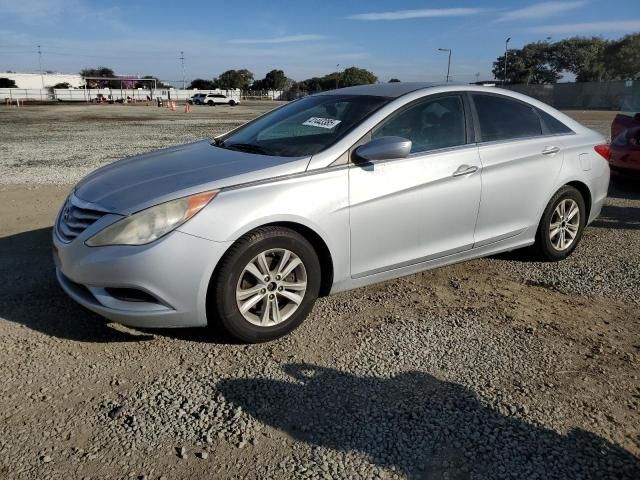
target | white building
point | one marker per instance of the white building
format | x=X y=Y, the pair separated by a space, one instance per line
x=35 y=80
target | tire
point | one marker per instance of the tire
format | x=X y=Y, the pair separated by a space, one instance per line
x=549 y=247
x=232 y=103
x=210 y=103
x=232 y=281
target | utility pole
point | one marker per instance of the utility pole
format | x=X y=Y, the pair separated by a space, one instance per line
x=182 y=62
x=40 y=65
x=337 y=74
x=506 y=53
x=448 y=63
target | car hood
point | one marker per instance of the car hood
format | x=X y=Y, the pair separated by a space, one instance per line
x=138 y=182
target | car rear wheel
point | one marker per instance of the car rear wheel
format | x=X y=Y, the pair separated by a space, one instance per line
x=232 y=102
x=265 y=285
x=210 y=103
x=562 y=224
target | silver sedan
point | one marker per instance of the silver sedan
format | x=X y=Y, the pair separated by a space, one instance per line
x=328 y=193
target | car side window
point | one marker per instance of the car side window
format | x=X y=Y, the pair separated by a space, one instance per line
x=430 y=124
x=555 y=126
x=505 y=119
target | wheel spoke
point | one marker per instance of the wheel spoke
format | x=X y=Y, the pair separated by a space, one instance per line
x=251 y=302
x=562 y=239
x=294 y=285
x=253 y=270
x=275 y=310
x=294 y=297
x=554 y=232
x=244 y=294
x=263 y=265
x=290 y=267
x=573 y=211
x=265 y=313
x=555 y=225
x=283 y=261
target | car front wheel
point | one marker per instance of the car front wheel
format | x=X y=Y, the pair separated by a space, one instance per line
x=210 y=103
x=562 y=224
x=265 y=285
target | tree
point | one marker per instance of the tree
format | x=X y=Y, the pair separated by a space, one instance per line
x=533 y=63
x=394 y=80
x=201 y=84
x=62 y=85
x=584 y=57
x=7 y=83
x=100 y=72
x=273 y=80
x=350 y=77
x=622 y=58
x=234 y=79
x=357 y=76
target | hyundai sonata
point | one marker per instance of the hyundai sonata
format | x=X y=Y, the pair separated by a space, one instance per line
x=327 y=193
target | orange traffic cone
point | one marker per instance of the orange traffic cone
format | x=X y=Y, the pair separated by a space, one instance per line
x=187 y=108
x=173 y=106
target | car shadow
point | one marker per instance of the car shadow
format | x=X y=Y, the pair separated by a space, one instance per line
x=31 y=296
x=422 y=427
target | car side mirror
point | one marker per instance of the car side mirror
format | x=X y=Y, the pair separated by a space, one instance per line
x=382 y=148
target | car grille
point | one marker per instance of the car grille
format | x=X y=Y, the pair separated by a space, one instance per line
x=74 y=220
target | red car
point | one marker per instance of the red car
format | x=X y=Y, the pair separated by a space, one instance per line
x=624 y=155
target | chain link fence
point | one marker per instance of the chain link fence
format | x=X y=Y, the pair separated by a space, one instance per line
x=621 y=95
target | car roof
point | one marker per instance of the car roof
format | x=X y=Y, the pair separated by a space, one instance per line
x=391 y=90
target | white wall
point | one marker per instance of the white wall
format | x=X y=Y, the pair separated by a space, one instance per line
x=82 y=95
x=35 y=80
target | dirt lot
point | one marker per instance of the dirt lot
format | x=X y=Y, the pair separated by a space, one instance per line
x=497 y=368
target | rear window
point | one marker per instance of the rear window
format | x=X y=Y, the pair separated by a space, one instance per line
x=504 y=119
x=554 y=125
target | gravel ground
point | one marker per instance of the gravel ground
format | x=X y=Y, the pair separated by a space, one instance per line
x=497 y=368
x=61 y=144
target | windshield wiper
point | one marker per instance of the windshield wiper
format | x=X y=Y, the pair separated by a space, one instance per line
x=246 y=147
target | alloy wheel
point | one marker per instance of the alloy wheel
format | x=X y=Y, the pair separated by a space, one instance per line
x=271 y=287
x=565 y=224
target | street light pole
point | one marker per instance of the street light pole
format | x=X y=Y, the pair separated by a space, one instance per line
x=449 y=63
x=506 y=52
x=337 y=74
x=182 y=63
x=40 y=65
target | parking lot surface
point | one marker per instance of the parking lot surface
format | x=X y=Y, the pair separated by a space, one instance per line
x=497 y=368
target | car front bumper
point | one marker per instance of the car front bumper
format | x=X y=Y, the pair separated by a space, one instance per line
x=175 y=271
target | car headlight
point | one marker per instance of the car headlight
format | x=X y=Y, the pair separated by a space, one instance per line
x=154 y=222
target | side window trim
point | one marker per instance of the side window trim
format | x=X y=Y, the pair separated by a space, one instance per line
x=550 y=133
x=476 y=117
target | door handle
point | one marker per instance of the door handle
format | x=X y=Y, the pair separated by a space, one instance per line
x=550 y=150
x=464 y=170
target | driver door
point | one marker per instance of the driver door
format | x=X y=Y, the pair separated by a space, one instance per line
x=422 y=207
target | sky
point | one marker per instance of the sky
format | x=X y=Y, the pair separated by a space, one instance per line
x=304 y=38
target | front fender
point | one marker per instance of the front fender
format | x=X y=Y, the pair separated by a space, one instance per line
x=317 y=201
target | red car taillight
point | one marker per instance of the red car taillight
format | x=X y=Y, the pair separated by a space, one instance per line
x=604 y=151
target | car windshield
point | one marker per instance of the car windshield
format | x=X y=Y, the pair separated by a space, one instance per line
x=304 y=127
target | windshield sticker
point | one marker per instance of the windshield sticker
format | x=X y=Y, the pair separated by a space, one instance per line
x=327 y=123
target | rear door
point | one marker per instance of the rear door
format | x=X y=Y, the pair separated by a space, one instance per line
x=410 y=210
x=520 y=163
